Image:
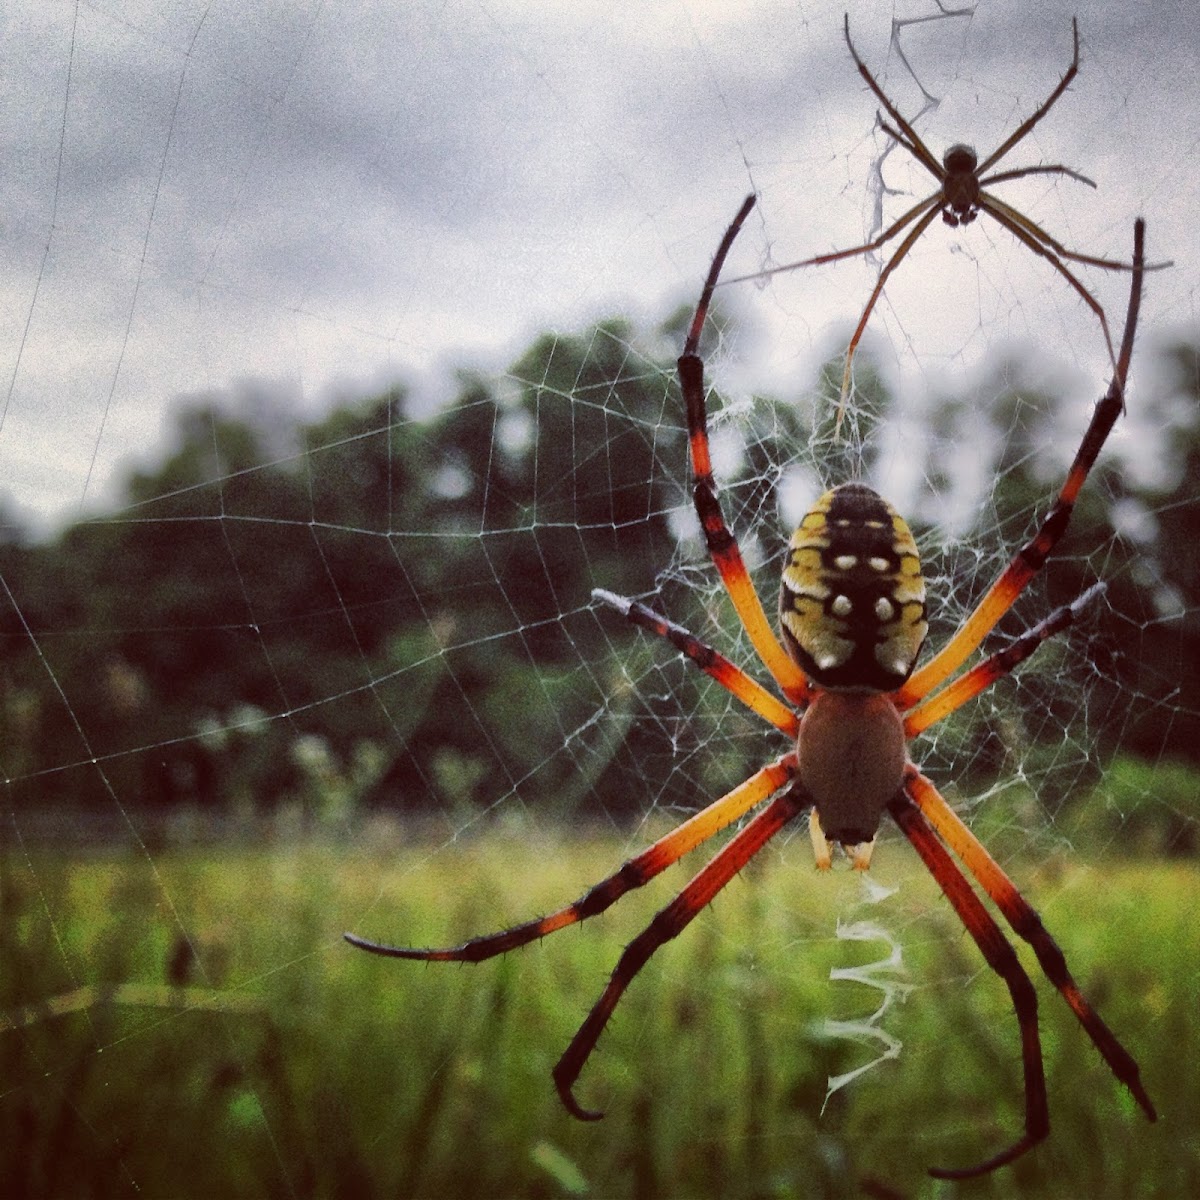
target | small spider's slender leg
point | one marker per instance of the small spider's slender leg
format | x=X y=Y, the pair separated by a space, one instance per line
x=995 y=666
x=901 y=140
x=914 y=145
x=892 y=263
x=1026 y=923
x=1036 y=231
x=1001 y=957
x=669 y=922
x=908 y=145
x=1000 y=597
x=722 y=545
x=632 y=874
x=1026 y=127
x=837 y=255
x=1055 y=169
x=1022 y=228
x=730 y=676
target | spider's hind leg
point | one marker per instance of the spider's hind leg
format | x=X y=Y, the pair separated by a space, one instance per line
x=1026 y=923
x=669 y=923
x=1001 y=957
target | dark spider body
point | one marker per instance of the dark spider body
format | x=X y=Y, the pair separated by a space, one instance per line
x=961 y=185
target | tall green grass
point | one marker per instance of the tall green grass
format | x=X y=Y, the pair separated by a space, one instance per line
x=263 y=1057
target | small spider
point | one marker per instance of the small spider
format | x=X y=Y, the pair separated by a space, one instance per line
x=852 y=611
x=960 y=198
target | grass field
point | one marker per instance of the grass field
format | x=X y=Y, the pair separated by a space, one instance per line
x=279 y=1062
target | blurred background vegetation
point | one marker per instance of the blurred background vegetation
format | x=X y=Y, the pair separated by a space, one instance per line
x=378 y=611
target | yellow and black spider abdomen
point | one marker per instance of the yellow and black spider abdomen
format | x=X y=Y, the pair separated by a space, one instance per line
x=852 y=603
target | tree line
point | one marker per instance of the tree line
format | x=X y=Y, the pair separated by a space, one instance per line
x=395 y=610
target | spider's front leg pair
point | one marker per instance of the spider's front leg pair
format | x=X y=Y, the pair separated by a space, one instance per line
x=852 y=609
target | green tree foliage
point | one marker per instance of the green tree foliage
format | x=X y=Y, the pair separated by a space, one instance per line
x=414 y=594
x=368 y=578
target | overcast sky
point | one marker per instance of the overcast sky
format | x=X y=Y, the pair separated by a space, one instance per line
x=331 y=197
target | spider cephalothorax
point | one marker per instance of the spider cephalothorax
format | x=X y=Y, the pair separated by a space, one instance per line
x=961 y=185
x=853 y=617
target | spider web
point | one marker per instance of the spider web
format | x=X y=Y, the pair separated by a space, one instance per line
x=328 y=405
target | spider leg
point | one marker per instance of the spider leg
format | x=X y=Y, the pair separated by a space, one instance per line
x=1030 y=559
x=722 y=545
x=730 y=676
x=1026 y=127
x=913 y=145
x=903 y=141
x=1055 y=169
x=1026 y=923
x=1037 y=241
x=837 y=255
x=930 y=207
x=936 y=204
x=632 y=874
x=1001 y=957
x=669 y=922
x=1036 y=231
x=995 y=666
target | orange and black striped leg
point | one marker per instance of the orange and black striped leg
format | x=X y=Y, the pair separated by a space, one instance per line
x=1003 y=960
x=633 y=874
x=732 y=678
x=995 y=666
x=721 y=543
x=666 y=925
x=1000 y=597
x=1028 y=925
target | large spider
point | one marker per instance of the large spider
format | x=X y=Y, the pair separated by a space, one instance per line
x=960 y=198
x=852 y=611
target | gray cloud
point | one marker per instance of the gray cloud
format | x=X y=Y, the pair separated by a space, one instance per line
x=317 y=194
